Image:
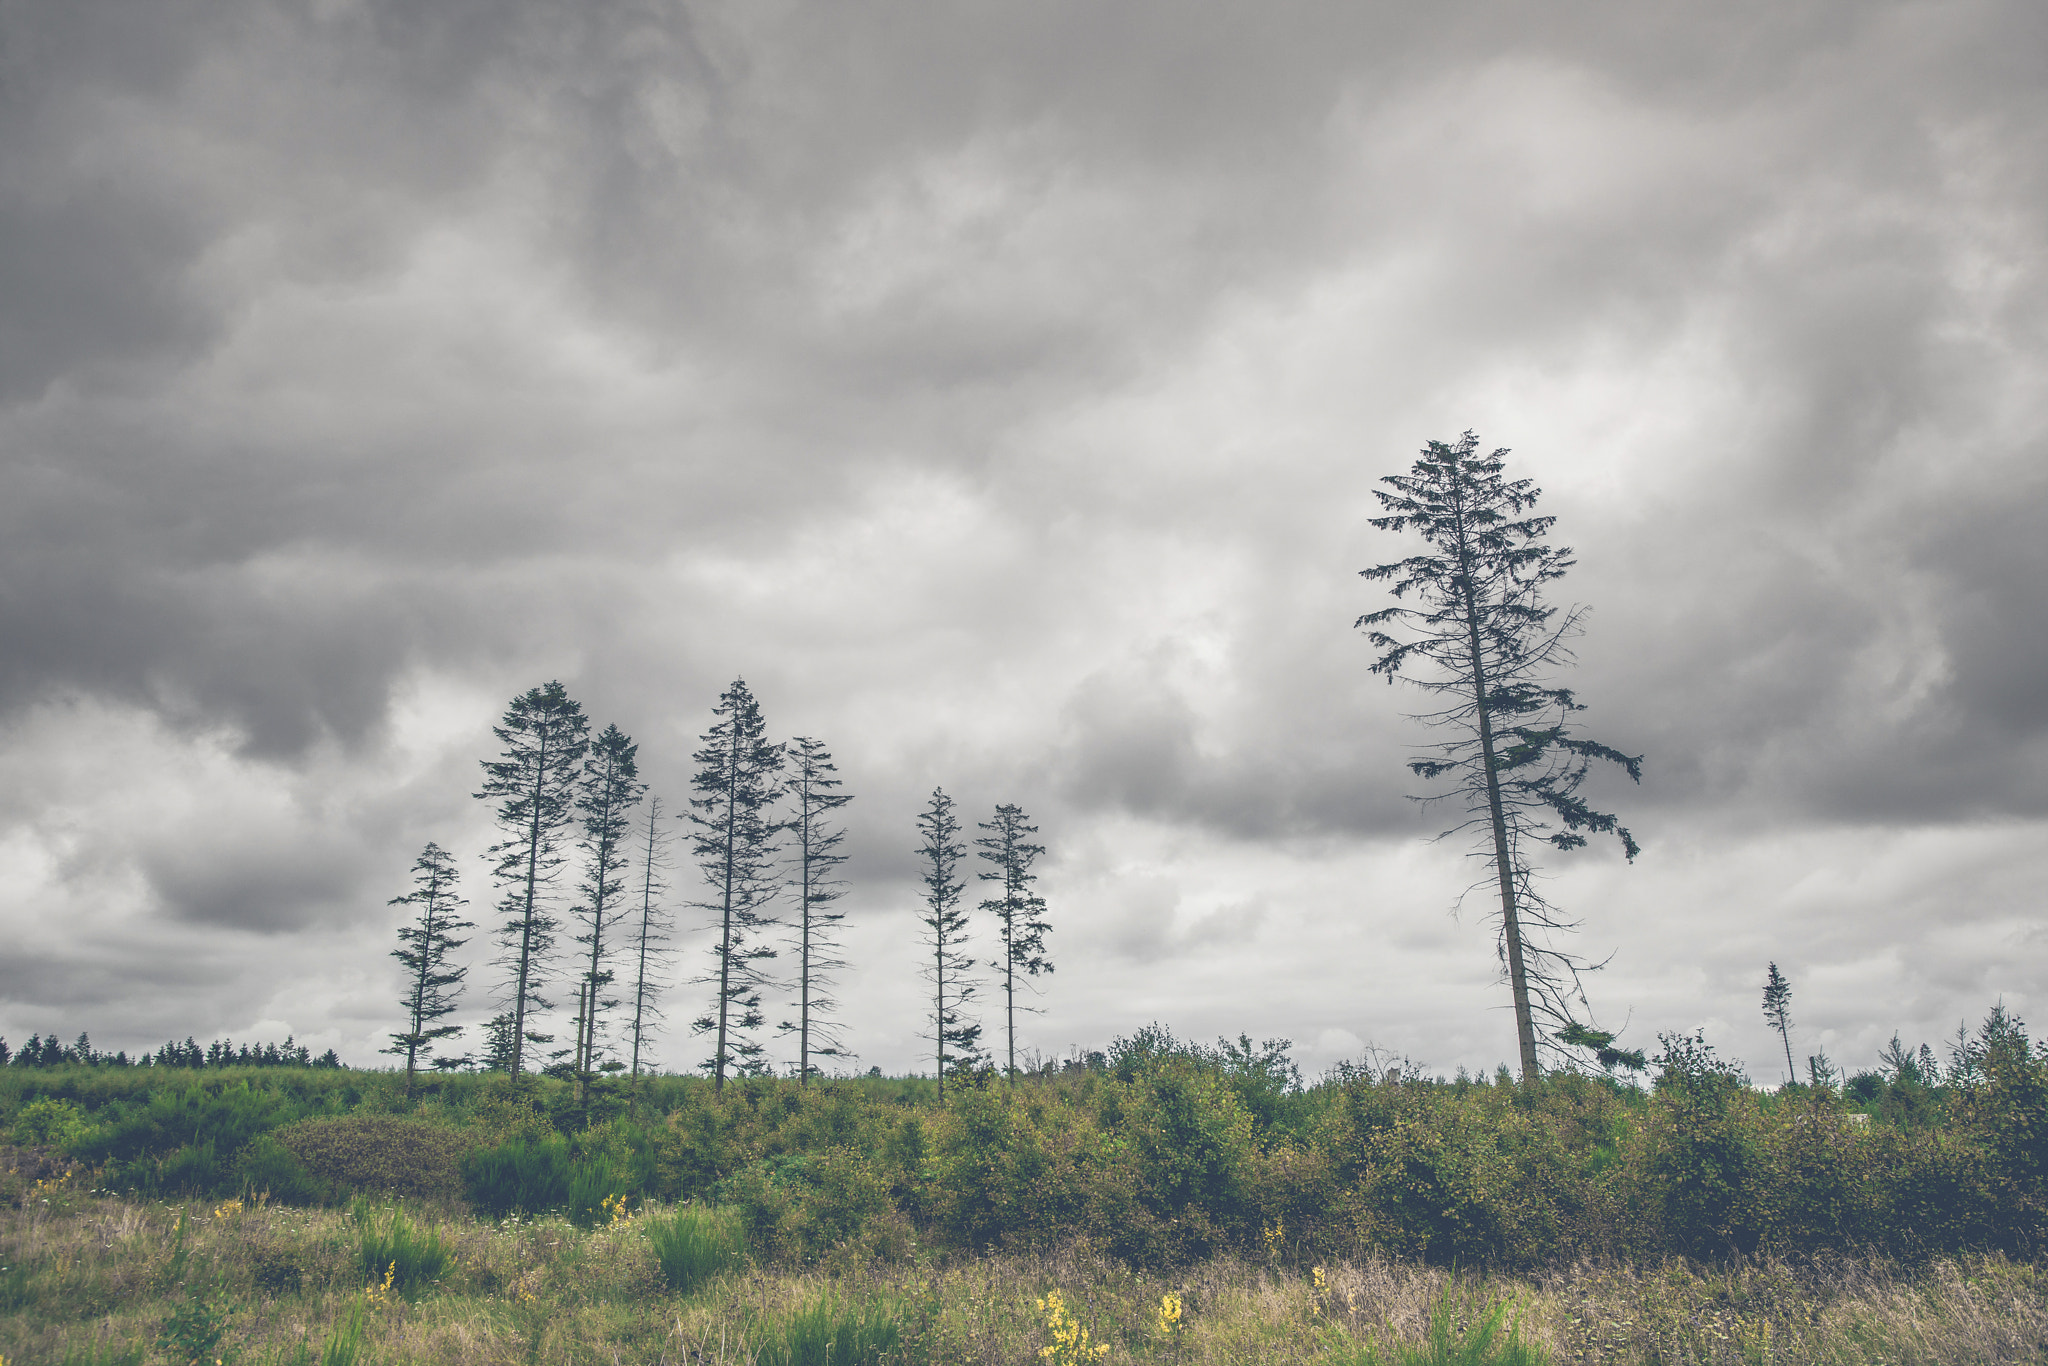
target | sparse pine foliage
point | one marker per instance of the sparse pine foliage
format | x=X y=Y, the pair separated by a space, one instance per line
x=609 y=791
x=652 y=932
x=501 y=1035
x=814 y=864
x=1019 y=912
x=432 y=985
x=1778 y=1010
x=1488 y=645
x=533 y=784
x=955 y=1037
x=733 y=834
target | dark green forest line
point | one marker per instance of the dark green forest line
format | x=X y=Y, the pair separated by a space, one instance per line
x=1162 y=1154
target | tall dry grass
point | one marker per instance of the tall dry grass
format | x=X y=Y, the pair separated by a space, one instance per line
x=89 y=1277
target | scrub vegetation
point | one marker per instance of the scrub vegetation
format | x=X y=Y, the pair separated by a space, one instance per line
x=1160 y=1200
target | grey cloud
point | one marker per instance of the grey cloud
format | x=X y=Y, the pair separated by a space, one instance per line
x=351 y=345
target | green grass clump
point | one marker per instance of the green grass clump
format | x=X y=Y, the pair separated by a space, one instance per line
x=596 y=1189
x=694 y=1245
x=1493 y=1339
x=518 y=1177
x=831 y=1331
x=412 y=1258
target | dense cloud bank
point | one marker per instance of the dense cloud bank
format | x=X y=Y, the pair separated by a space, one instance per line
x=1000 y=392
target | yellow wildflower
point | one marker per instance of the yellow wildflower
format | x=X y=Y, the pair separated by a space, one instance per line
x=1070 y=1345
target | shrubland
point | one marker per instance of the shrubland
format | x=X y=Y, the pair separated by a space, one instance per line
x=1289 y=1222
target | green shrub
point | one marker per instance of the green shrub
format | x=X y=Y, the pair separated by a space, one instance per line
x=380 y=1154
x=412 y=1258
x=132 y=1130
x=801 y=1207
x=1188 y=1140
x=50 y=1123
x=831 y=1332
x=267 y=1167
x=518 y=1177
x=693 y=1246
x=1012 y=1167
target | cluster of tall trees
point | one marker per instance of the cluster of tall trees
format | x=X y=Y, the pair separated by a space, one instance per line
x=763 y=824
x=950 y=968
x=565 y=807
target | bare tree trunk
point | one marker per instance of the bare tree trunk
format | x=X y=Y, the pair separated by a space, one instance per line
x=1503 y=855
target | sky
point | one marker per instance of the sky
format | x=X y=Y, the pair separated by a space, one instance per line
x=1000 y=391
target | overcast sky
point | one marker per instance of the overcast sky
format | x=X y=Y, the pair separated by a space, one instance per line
x=1000 y=389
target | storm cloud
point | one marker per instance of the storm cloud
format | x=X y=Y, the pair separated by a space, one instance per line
x=1000 y=391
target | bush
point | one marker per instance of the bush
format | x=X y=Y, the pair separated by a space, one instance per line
x=802 y=1207
x=50 y=1123
x=693 y=1246
x=518 y=1177
x=830 y=1332
x=381 y=1155
x=267 y=1167
x=1006 y=1168
x=412 y=1258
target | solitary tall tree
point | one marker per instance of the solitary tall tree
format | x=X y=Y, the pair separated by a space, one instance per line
x=1488 y=646
x=813 y=867
x=534 y=785
x=653 y=932
x=1019 y=912
x=609 y=791
x=956 y=1038
x=733 y=834
x=431 y=985
x=1778 y=1010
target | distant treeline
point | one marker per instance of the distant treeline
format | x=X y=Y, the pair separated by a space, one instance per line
x=51 y=1052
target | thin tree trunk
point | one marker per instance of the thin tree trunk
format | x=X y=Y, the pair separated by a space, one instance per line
x=1010 y=982
x=586 y=1040
x=725 y=955
x=646 y=914
x=526 y=927
x=939 y=971
x=1503 y=860
x=803 y=1033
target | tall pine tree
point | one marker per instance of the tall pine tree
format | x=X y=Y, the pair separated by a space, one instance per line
x=1778 y=1010
x=431 y=985
x=955 y=1037
x=1019 y=912
x=609 y=791
x=814 y=862
x=733 y=834
x=533 y=783
x=1489 y=644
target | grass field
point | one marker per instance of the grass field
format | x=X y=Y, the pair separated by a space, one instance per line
x=91 y=1277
